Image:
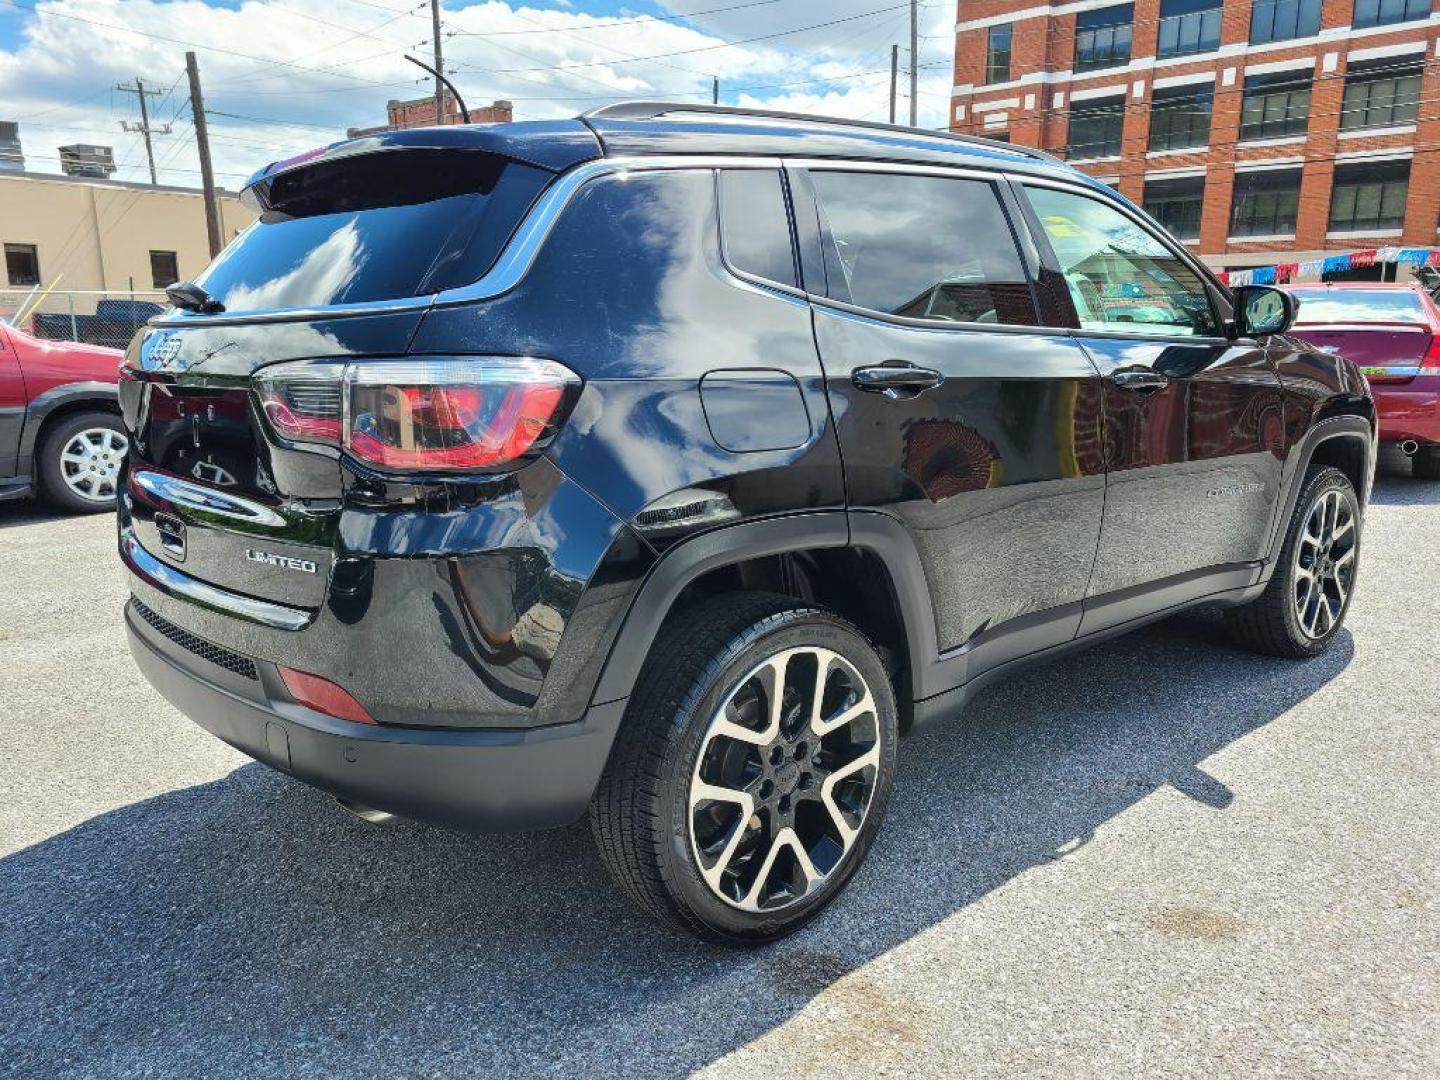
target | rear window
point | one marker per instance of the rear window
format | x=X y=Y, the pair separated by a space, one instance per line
x=376 y=227
x=1359 y=306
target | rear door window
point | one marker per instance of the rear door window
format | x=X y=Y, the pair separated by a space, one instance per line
x=756 y=224
x=922 y=247
x=380 y=226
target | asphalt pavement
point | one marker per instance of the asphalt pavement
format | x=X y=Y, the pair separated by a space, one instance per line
x=1163 y=857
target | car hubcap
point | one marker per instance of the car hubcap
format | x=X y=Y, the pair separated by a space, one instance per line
x=90 y=463
x=1325 y=563
x=784 y=779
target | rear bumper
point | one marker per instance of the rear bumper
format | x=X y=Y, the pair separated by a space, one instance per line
x=490 y=780
x=1411 y=411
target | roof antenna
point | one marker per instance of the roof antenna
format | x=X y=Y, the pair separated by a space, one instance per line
x=464 y=112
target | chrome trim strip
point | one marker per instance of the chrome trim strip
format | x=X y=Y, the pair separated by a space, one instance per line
x=205 y=500
x=173 y=583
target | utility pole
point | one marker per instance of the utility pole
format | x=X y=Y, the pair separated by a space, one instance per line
x=144 y=126
x=202 y=141
x=894 y=78
x=439 y=62
x=914 y=63
x=715 y=90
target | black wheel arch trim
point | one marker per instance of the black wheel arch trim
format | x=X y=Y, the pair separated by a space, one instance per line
x=875 y=532
x=44 y=405
x=1347 y=426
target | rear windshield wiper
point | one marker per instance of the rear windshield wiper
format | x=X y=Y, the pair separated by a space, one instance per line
x=191 y=297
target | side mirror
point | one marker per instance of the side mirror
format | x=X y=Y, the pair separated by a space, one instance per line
x=1260 y=310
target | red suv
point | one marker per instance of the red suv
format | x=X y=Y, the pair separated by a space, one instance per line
x=1393 y=333
x=60 y=429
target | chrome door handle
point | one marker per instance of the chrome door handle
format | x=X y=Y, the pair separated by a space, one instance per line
x=1139 y=380
x=896 y=382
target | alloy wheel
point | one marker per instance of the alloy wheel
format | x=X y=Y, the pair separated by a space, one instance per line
x=1325 y=563
x=784 y=779
x=90 y=463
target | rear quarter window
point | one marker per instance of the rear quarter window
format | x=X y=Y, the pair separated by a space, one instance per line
x=755 y=224
x=382 y=226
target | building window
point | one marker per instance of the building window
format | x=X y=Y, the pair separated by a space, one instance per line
x=1096 y=128
x=1265 y=202
x=1102 y=37
x=1275 y=105
x=1188 y=26
x=997 y=54
x=1180 y=117
x=164 y=269
x=22 y=264
x=1381 y=93
x=1369 y=196
x=1384 y=12
x=1282 y=20
x=1177 y=204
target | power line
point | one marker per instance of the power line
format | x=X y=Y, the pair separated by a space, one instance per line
x=615 y=22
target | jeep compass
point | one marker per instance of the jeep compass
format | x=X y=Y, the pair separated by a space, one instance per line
x=668 y=464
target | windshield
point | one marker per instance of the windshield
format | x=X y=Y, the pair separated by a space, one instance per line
x=1359 y=306
x=376 y=227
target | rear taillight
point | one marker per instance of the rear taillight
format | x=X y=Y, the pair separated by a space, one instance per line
x=1430 y=365
x=428 y=414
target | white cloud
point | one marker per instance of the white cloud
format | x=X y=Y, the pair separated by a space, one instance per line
x=296 y=73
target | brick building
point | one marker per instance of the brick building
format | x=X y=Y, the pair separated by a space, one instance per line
x=420 y=112
x=1258 y=131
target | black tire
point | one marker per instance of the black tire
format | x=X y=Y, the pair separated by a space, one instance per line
x=1425 y=465
x=1276 y=622
x=642 y=816
x=50 y=468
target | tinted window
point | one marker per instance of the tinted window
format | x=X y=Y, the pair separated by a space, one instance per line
x=756 y=225
x=1265 y=202
x=1358 y=306
x=1120 y=277
x=1281 y=20
x=376 y=227
x=1180 y=117
x=164 y=269
x=1188 y=26
x=22 y=264
x=1275 y=105
x=924 y=247
x=1177 y=204
x=1102 y=37
x=1369 y=196
x=997 y=54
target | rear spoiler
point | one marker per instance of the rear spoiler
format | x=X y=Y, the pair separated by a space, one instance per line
x=552 y=145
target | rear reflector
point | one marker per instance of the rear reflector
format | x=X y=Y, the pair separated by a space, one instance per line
x=324 y=696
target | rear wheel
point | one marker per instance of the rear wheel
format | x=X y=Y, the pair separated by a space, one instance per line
x=1304 y=605
x=1425 y=465
x=753 y=768
x=79 y=460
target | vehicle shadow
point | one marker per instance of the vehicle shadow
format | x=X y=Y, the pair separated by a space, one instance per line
x=31 y=512
x=248 y=925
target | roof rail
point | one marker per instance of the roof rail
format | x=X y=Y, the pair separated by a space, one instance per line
x=651 y=110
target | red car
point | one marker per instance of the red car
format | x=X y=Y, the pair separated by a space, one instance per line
x=60 y=430
x=1393 y=333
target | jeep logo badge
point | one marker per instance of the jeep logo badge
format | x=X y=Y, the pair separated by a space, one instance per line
x=284 y=562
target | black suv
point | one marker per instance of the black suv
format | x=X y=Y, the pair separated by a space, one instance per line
x=669 y=463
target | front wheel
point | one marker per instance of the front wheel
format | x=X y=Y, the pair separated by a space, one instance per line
x=1303 y=607
x=79 y=460
x=752 y=770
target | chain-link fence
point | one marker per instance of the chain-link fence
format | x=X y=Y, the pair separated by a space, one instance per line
x=95 y=317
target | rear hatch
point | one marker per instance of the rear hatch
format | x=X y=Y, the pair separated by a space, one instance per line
x=1385 y=332
x=340 y=264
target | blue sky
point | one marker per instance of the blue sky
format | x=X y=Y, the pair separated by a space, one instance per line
x=284 y=75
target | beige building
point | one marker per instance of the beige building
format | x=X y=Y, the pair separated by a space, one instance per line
x=78 y=233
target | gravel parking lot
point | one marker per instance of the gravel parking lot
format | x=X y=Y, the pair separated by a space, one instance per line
x=1162 y=857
